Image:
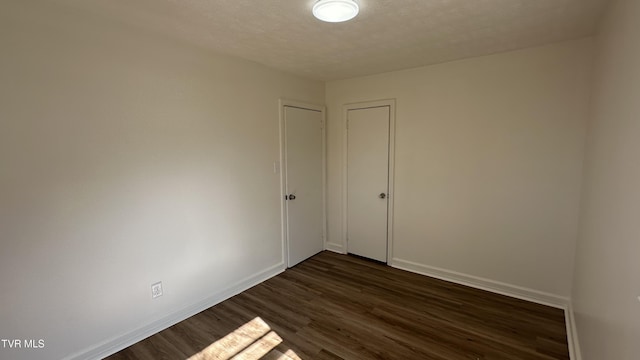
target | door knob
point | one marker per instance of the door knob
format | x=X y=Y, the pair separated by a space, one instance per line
x=292 y=197
x=382 y=195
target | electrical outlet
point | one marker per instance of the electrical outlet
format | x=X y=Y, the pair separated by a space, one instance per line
x=156 y=290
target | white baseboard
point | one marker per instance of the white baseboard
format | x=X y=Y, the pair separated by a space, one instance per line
x=335 y=247
x=518 y=292
x=118 y=343
x=572 y=334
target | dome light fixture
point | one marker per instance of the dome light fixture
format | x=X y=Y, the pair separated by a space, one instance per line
x=335 y=10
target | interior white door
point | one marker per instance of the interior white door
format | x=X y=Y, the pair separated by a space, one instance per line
x=368 y=181
x=303 y=183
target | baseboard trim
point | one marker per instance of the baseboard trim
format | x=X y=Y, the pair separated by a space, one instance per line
x=572 y=334
x=497 y=287
x=338 y=248
x=118 y=343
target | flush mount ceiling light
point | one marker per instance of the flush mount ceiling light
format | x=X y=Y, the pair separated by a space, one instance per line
x=335 y=10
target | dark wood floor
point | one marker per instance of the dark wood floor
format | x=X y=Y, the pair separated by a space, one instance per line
x=340 y=307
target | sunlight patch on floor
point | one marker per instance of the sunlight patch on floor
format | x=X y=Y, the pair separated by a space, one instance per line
x=251 y=341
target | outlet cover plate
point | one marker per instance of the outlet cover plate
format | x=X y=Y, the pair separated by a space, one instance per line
x=156 y=290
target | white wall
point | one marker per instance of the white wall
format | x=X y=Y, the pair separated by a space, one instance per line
x=607 y=272
x=127 y=159
x=488 y=163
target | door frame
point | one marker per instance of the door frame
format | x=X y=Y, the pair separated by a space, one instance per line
x=282 y=103
x=391 y=103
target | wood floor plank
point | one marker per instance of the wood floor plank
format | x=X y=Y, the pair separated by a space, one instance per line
x=338 y=307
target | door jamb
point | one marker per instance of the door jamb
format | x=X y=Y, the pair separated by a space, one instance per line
x=391 y=103
x=282 y=103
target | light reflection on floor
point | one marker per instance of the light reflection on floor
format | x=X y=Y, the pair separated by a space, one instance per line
x=252 y=341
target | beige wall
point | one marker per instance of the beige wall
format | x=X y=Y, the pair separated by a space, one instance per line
x=488 y=162
x=607 y=273
x=127 y=159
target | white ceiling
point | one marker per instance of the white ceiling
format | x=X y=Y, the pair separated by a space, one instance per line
x=387 y=34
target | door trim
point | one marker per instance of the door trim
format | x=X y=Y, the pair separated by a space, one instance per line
x=391 y=103
x=282 y=103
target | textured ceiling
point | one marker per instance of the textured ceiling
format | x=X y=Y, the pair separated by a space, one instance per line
x=387 y=34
